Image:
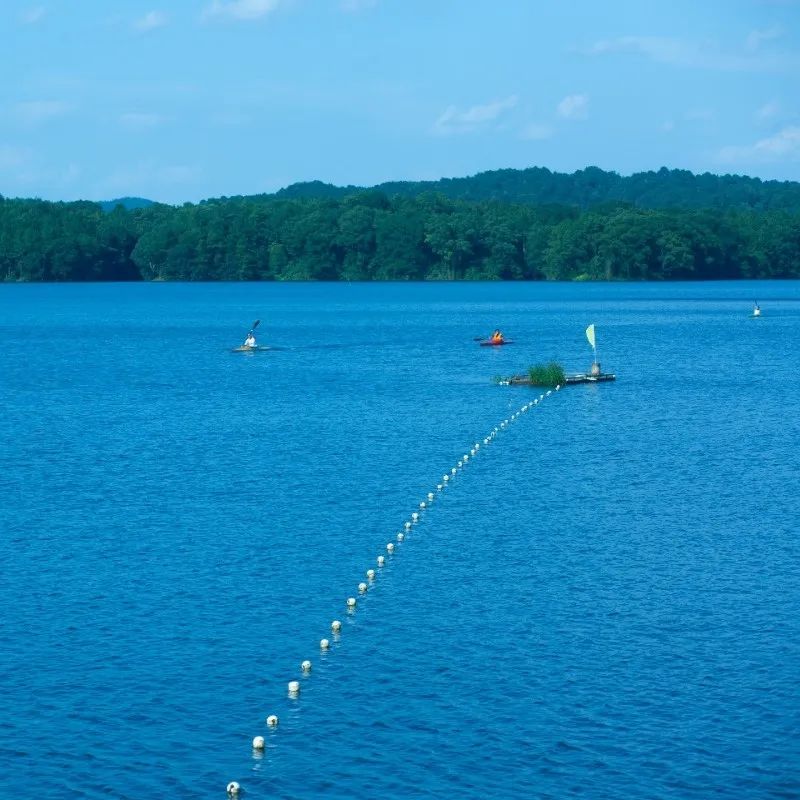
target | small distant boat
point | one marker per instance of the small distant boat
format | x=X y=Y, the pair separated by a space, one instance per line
x=495 y=342
x=756 y=310
x=250 y=345
x=244 y=348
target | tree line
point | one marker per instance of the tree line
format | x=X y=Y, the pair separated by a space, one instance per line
x=371 y=235
x=585 y=188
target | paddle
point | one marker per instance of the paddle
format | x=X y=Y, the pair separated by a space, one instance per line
x=255 y=325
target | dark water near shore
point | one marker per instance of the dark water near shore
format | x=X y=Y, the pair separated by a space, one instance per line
x=605 y=603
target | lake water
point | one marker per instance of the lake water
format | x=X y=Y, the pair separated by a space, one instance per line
x=604 y=603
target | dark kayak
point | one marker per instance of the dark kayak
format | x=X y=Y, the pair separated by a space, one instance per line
x=490 y=343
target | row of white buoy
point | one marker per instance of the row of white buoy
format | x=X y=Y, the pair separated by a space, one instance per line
x=351 y=603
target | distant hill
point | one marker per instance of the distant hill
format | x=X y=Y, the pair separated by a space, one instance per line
x=586 y=188
x=317 y=189
x=129 y=203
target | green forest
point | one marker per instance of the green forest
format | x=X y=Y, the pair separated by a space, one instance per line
x=503 y=225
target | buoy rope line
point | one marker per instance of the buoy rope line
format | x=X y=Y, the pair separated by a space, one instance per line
x=293 y=687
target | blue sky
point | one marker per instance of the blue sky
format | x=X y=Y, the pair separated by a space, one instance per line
x=179 y=100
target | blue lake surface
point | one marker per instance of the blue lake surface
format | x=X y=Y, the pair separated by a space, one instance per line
x=604 y=603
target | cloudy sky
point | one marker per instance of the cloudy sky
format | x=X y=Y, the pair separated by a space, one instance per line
x=179 y=100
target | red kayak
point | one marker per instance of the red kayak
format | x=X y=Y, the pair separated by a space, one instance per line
x=490 y=343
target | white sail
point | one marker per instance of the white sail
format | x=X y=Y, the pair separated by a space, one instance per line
x=590 y=335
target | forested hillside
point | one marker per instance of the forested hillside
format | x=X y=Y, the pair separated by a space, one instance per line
x=374 y=235
x=589 y=187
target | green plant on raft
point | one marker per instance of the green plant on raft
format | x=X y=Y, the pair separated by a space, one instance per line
x=551 y=374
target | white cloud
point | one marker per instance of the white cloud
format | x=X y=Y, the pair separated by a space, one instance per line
x=352 y=6
x=658 y=48
x=145 y=178
x=454 y=121
x=30 y=16
x=69 y=174
x=150 y=21
x=573 y=106
x=702 y=55
x=768 y=111
x=668 y=126
x=700 y=114
x=535 y=131
x=13 y=157
x=783 y=146
x=29 y=173
x=36 y=111
x=241 y=9
x=140 y=121
x=756 y=38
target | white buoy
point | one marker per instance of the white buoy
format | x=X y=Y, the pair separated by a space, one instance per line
x=306 y=666
x=371 y=574
x=431 y=495
x=233 y=788
x=258 y=743
x=453 y=471
x=381 y=561
x=407 y=526
x=362 y=588
x=439 y=487
x=351 y=602
x=414 y=517
x=460 y=464
x=324 y=644
x=558 y=387
x=400 y=537
x=336 y=626
x=422 y=504
x=548 y=392
x=445 y=478
x=390 y=548
x=272 y=719
x=294 y=687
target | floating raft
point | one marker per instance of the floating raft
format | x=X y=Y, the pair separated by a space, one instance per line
x=587 y=378
x=569 y=380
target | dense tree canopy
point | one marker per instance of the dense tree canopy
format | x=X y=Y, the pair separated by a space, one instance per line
x=372 y=235
x=586 y=188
